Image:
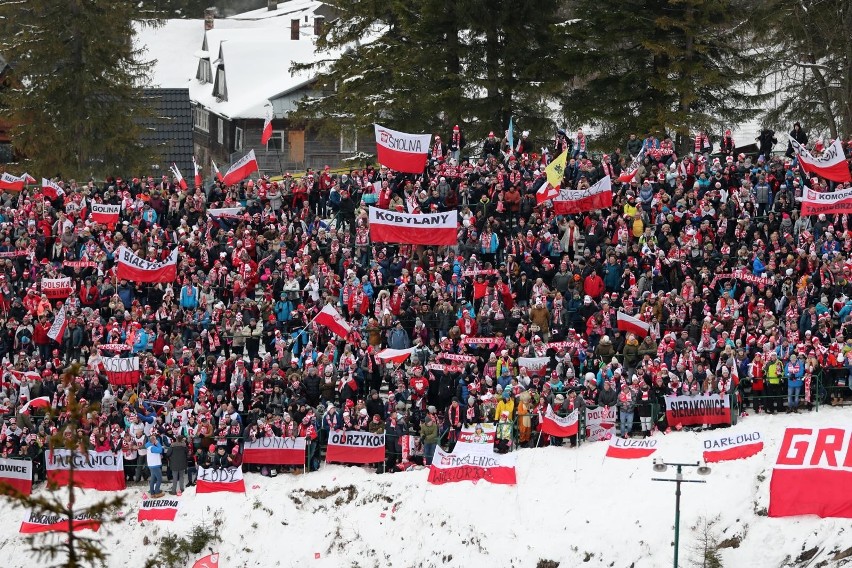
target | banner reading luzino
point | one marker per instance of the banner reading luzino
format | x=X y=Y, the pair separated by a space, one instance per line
x=135 y=269
x=700 y=410
x=401 y=151
x=351 y=446
x=275 y=451
x=813 y=473
x=419 y=229
x=92 y=470
x=472 y=464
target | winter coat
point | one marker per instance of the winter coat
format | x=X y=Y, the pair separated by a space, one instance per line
x=429 y=432
x=178 y=456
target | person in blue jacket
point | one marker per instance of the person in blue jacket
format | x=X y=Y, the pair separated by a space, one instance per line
x=795 y=373
x=155 y=465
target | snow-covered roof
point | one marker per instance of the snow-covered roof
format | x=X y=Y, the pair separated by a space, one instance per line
x=171 y=47
x=291 y=8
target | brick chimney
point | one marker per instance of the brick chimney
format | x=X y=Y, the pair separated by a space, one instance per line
x=271 y=5
x=209 y=18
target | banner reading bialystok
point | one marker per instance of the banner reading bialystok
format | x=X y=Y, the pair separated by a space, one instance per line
x=275 y=451
x=351 y=446
x=92 y=470
x=421 y=229
x=136 y=269
x=698 y=410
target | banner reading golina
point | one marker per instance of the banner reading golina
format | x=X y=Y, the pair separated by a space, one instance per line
x=406 y=228
x=703 y=409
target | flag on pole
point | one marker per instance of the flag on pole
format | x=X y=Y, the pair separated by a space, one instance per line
x=335 y=323
x=241 y=169
x=632 y=325
x=629 y=173
x=10 y=182
x=216 y=172
x=178 y=176
x=198 y=178
x=598 y=196
x=402 y=151
x=555 y=170
x=51 y=189
x=546 y=192
x=267 y=127
x=28 y=179
x=831 y=165
x=510 y=134
x=57 y=330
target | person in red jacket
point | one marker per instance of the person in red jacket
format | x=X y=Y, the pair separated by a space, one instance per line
x=40 y=338
x=467 y=325
x=593 y=285
x=308 y=431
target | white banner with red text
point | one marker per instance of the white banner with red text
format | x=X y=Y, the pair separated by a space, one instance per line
x=472 y=463
x=600 y=423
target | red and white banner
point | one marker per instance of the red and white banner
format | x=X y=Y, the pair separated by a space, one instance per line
x=121 y=371
x=563 y=345
x=28 y=179
x=831 y=165
x=225 y=212
x=38 y=402
x=632 y=325
x=598 y=196
x=813 y=474
x=56 y=288
x=699 y=410
x=38 y=523
x=216 y=173
x=199 y=180
x=628 y=449
x=136 y=269
x=105 y=214
x=115 y=347
x=16 y=475
x=444 y=368
x=498 y=341
x=600 y=423
x=457 y=357
x=630 y=172
x=829 y=202
x=725 y=446
x=12 y=183
x=414 y=229
x=275 y=451
x=559 y=426
x=158 y=510
x=536 y=365
x=228 y=479
x=546 y=193
x=267 y=127
x=51 y=189
x=178 y=176
x=241 y=169
x=484 y=433
x=472 y=464
x=401 y=151
x=397 y=356
x=57 y=328
x=351 y=446
x=209 y=561
x=103 y=471
x=330 y=318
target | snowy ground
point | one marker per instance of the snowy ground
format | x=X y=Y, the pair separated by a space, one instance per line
x=570 y=506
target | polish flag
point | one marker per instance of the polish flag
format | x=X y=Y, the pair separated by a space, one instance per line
x=138 y=269
x=178 y=176
x=57 y=329
x=628 y=449
x=559 y=426
x=229 y=480
x=209 y=561
x=598 y=196
x=39 y=523
x=546 y=193
x=16 y=476
x=199 y=181
x=103 y=471
x=10 y=182
x=105 y=214
x=28 y=179
x=831 y=165
x=335 y=323
x=226 y=212
x=828 y=202
x=121 y=371
x=267 y=128
x=725 y=446
x=414 y=229
x=241 y=169
x=216 y=173
x=158 y=509
x=401 y=151
x=397 y=356
x=629 y=173
x=40 y=402
x=632 y=325
x=51 y=189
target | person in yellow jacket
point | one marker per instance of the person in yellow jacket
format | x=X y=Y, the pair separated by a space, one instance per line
x=506 y=404
x=524 y=419
x=774 y=375
x=504 y=362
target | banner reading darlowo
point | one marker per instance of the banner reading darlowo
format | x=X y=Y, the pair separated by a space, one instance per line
x=725 y=445
x=600 y=423
x=92 y=470
x=813 y=473
x=39 y=523
x=406 y=228
x=703 y=409
x=275 y=451
x=351 y=446
x=473 y=464
x=136 y=269
x=229 y=479
x=16 y=475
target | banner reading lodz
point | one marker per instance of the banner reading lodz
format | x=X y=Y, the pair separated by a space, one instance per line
x=472 y=464
x=406 y=228
x=158 y=510
x=600 y=423
x=228 y=479
x=93 y=470
x=135 y=269
x=16 y=475
x=39 y=523
x=351 y=446
x=813 y=474
x=704 y=409
x=275 y=451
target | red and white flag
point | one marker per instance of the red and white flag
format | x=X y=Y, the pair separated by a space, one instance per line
x=103 y=471
x=51 y=189
x=136 y=269
x=209 y=561
x=158 y=509
x=216 y=173
x=414 y=229
x=628 y=449
x=275 y=451
x=559 y=426
x=546 y=193
x=178 y=176
x=829 y=202
x=831 y=165
x=28 y=179
x=536 y=365
x=400 y=151
x=397 y=356
x=267 y=127
x=226 y=212
x=122 y=371
x=330 y=318
x=813 y=473
x=10 y=182
x=629 y=173
x=39 y=402
x=600 y=423
x=199 y=181
x=39 y=523
x=228 y=480
x=598 y=196
x=16 y=476
x=472 y=463
x=632 y=325
x=352 y=446
x=56 y=288
x=725 y=446
x=241 y=169
x=57 y=328
x=105 y=214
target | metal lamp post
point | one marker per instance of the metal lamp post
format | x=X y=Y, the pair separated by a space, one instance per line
x=660 y=467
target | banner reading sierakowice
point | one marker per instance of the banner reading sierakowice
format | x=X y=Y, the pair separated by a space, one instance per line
x=352 y=446
x=600 y=423
x=92 y=470
x=699 y=410
x=275 y=451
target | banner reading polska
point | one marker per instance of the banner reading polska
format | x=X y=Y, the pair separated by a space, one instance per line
x=725 y=446
x=559 y=426
x=351 y=446
x=704 y=409
x=136 y=269
x=829 y=202
x=407 y=228
x=122 y=371
x=158 y=510
x=813 y=474
x=401 y=151
x=229 y=479
x=105 y=214
x=56 y=288
x=473 y=464
x=39 y=523
x=275 y=451
x=600 y=423
x=103 y=471
x=16 y=475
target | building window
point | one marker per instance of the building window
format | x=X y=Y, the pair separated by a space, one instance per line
x=276 y=141
x=294 y=30
x=201 y=119
x=238 y=138
x=220 y=134
x=319 y=26
x=348 y=140
x=220 y=91
x=205 y=75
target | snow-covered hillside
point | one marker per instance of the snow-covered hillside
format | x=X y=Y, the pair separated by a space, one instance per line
x=574 y=507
